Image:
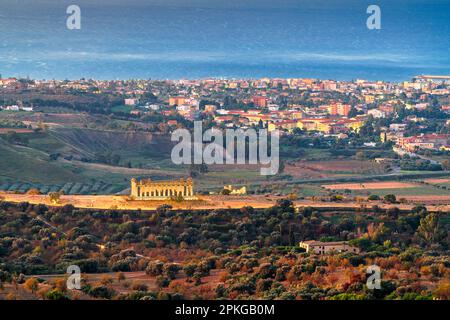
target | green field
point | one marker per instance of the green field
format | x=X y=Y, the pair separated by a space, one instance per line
x=30 y=166
x=122 y=108
x=311 y=191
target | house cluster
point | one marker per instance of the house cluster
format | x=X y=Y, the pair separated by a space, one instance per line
x=266 y=103
x=325 y=106
x=295 y=117
x=16 y=107
x=7 y=82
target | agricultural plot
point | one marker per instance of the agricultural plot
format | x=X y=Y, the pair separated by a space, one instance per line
x=440 y=182
x=422 y=190
x=31 y=165
x=332 y=168
x=310 y=191
x=408 y=190
x=393 y=185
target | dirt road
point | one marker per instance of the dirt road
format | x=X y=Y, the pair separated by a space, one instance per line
x=204 y=203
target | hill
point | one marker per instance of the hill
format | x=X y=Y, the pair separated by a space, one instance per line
x=27 y=164
x=82 y=161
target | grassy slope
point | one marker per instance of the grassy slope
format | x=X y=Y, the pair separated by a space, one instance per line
x=30 y=165
x=135 y=146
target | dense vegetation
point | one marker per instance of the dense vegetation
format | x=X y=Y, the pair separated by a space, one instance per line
x=225 y=253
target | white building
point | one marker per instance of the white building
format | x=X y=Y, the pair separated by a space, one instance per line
x=377 y=113
x=131 y=102
x=397 y=127
x=319 y=247
x=12 y=108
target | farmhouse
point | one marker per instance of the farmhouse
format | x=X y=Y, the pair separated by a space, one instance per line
x=318 y=247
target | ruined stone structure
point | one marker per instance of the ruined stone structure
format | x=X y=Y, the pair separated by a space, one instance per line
x=147 y=189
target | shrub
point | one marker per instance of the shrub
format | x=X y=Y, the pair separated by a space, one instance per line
x=154 y=268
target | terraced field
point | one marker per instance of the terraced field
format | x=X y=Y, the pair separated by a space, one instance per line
x=75 y=169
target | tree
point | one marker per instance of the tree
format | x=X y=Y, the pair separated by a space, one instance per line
x=102 y=292
x=32 y=284
x=54 y=197
x=197 y=278
x=189 y=270
x=154 y=268
x=171 y=270
x=163 y=209
x=106 y=280
x=430 y=230
x=292 y=241
x=390 y=198
x=56 y=294
x=115 y=159
x=220 y=291
x=61 y=284
x=225 y=192
x=360 y=155
x=263 y=285
x=266 y=270
x=140 y=287
x=162 y=282
x=353 y=112
x=196 y=170
x=393 y=212
x=281 y=166
x=284 y=203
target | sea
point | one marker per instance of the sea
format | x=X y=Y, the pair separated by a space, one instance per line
x=197 y=39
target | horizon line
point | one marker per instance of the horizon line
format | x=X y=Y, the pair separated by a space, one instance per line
x=423 y=76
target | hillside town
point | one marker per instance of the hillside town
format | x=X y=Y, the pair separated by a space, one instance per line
x=400 y=113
